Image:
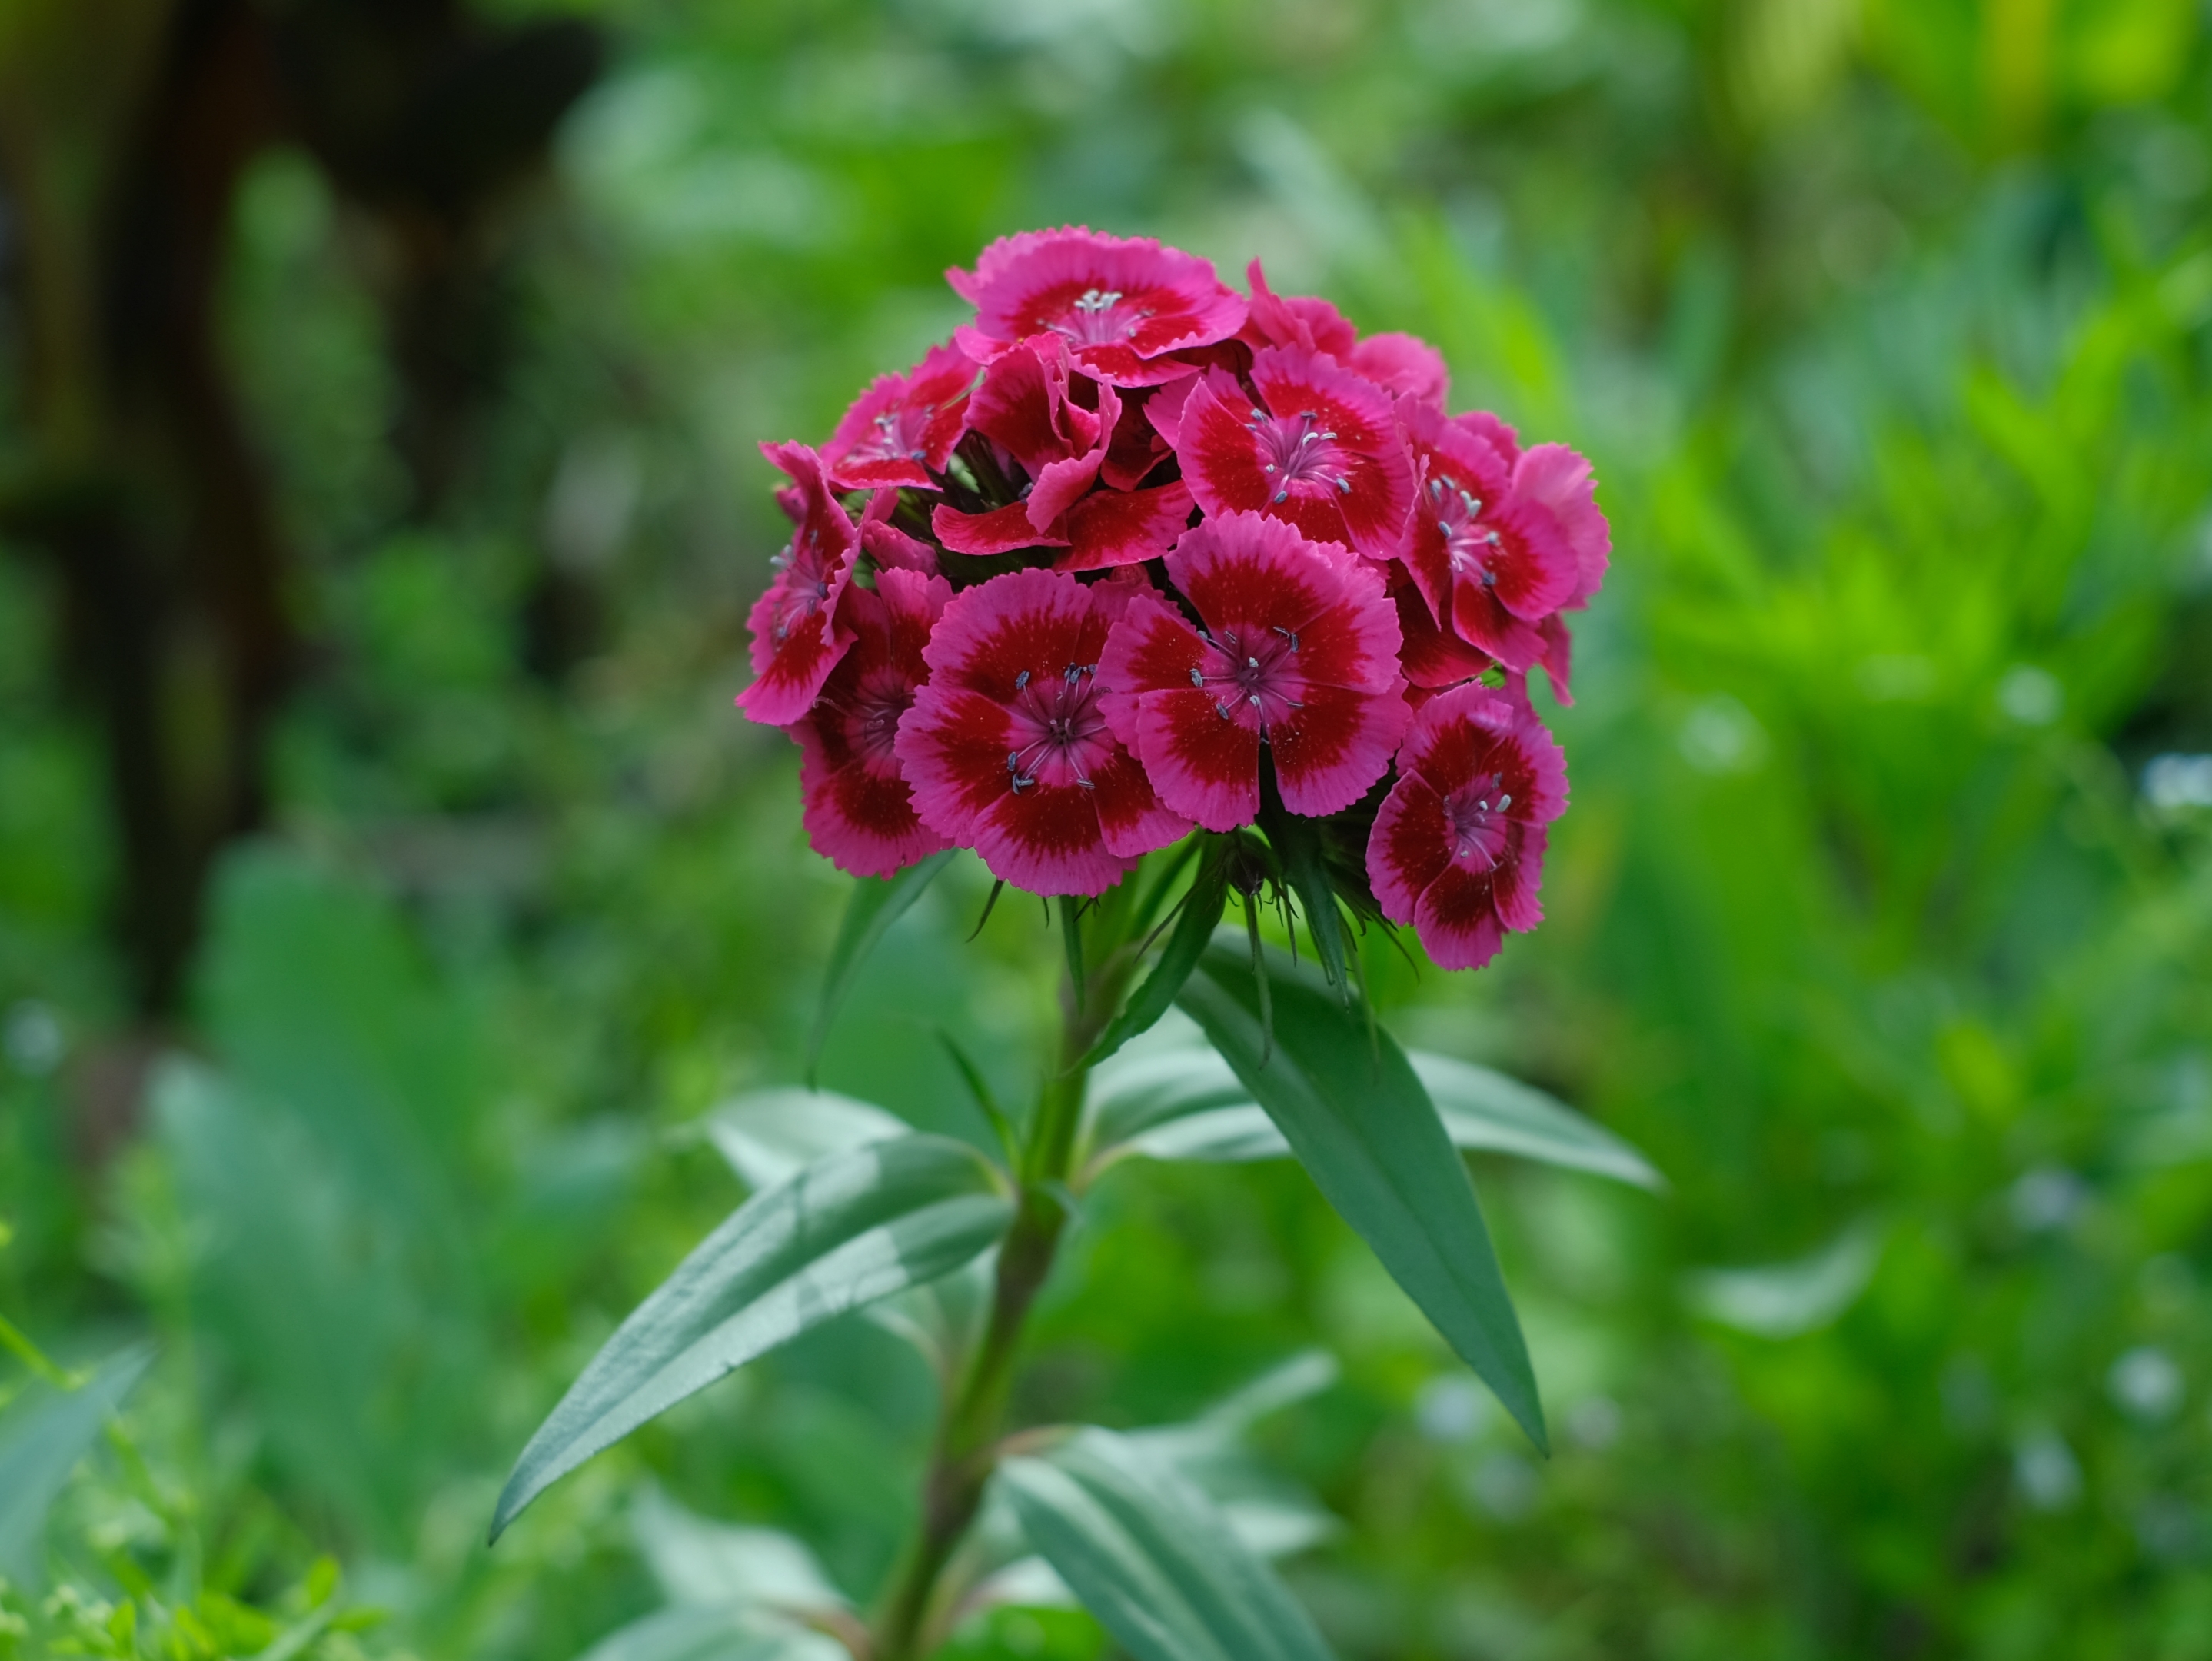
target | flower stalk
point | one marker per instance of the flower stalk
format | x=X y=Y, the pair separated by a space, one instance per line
x=971 y=1424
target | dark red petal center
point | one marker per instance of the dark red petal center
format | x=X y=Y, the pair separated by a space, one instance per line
x=1475 y=815
x=1472 y=547
x=871 y=719
x=1298 y=454
x=1254 y=680
x=898 y=436
x=803 y=585
x=1060 y=737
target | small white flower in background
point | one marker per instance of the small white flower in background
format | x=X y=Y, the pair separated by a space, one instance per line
x=1451 y=1408
x=1719 y=735
x=1594 y=1422
x=1504 y=1484
x=2030 y=696
x=2046 y=1197
x=2174 y=782
x=2049 y=1476
x=2146 y=1383
x=32 y=1038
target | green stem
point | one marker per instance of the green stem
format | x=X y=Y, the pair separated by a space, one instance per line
x=968 y=1435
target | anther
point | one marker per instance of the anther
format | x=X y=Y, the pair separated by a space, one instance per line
x=1021 y=680
x=1197 y=679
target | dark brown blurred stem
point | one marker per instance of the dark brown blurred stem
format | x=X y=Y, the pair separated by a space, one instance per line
x=968 y=1432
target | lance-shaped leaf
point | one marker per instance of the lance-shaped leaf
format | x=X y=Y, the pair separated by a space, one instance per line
x=1202 y=913
x=43 y=1434
x=1188 y=1104
x=770 y=1135
x=877 y=903
x=1153 y=1557
x=1484 y=1109
x=1355 y=1114
x=724 y=1634
x=855 y=1227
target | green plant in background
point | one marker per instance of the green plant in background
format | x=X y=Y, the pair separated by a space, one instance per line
x=1879 y=922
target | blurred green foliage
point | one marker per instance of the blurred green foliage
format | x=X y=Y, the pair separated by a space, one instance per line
x=1881 y=922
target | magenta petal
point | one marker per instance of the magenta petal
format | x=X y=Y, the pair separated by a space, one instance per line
x=1458 y=920
x=1124 y=528
x=797 y=639
x=1119 y=302
x=1329 y=754
x=1560 y=481
x=856 y=807
x=1006 y=748
x=904 y=426
x=1402 y=365
x=1059 y=484
x=1001 y=531
x=1408 y=847
x=1558 y=655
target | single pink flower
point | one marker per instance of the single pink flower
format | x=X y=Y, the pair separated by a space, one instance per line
x=1122 y=304
x=1324 y=452
x=857 y=808
x=1297 y=652
x=901 y=429
x=1006 y=748
x=1457 y=850
x=1401 y=364
x=1492 y=560
x=798 y=636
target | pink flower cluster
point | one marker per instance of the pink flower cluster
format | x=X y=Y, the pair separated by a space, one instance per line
x=1136 y=553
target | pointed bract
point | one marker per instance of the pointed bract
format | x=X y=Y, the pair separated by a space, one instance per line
x=1007 y=750
x=1298 y=653
x=797 y=637
x=1457 y=849
x=1122 y=304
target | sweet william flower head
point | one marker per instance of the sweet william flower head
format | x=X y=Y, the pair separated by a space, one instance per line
x=857 y=808
x=1006 y=748
x=1320 y=448
x=797 y=637
x=901 y=429
x=1457 y=849
x=1122 y=304
x=1296 y=653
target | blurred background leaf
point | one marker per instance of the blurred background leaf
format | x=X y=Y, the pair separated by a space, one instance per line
x=389 y=895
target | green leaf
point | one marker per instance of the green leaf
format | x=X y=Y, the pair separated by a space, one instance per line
x=701 y=1562
x=724 y=1634
x=1153 y=1557
x=769 y=1136
x=1139 y=1089
x=1355 y=1114
x=1485 y=1110
x=1188 y=1104
x=42 y=1436
x=855 y=1227
x=877 y=903
x=1201 y=913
